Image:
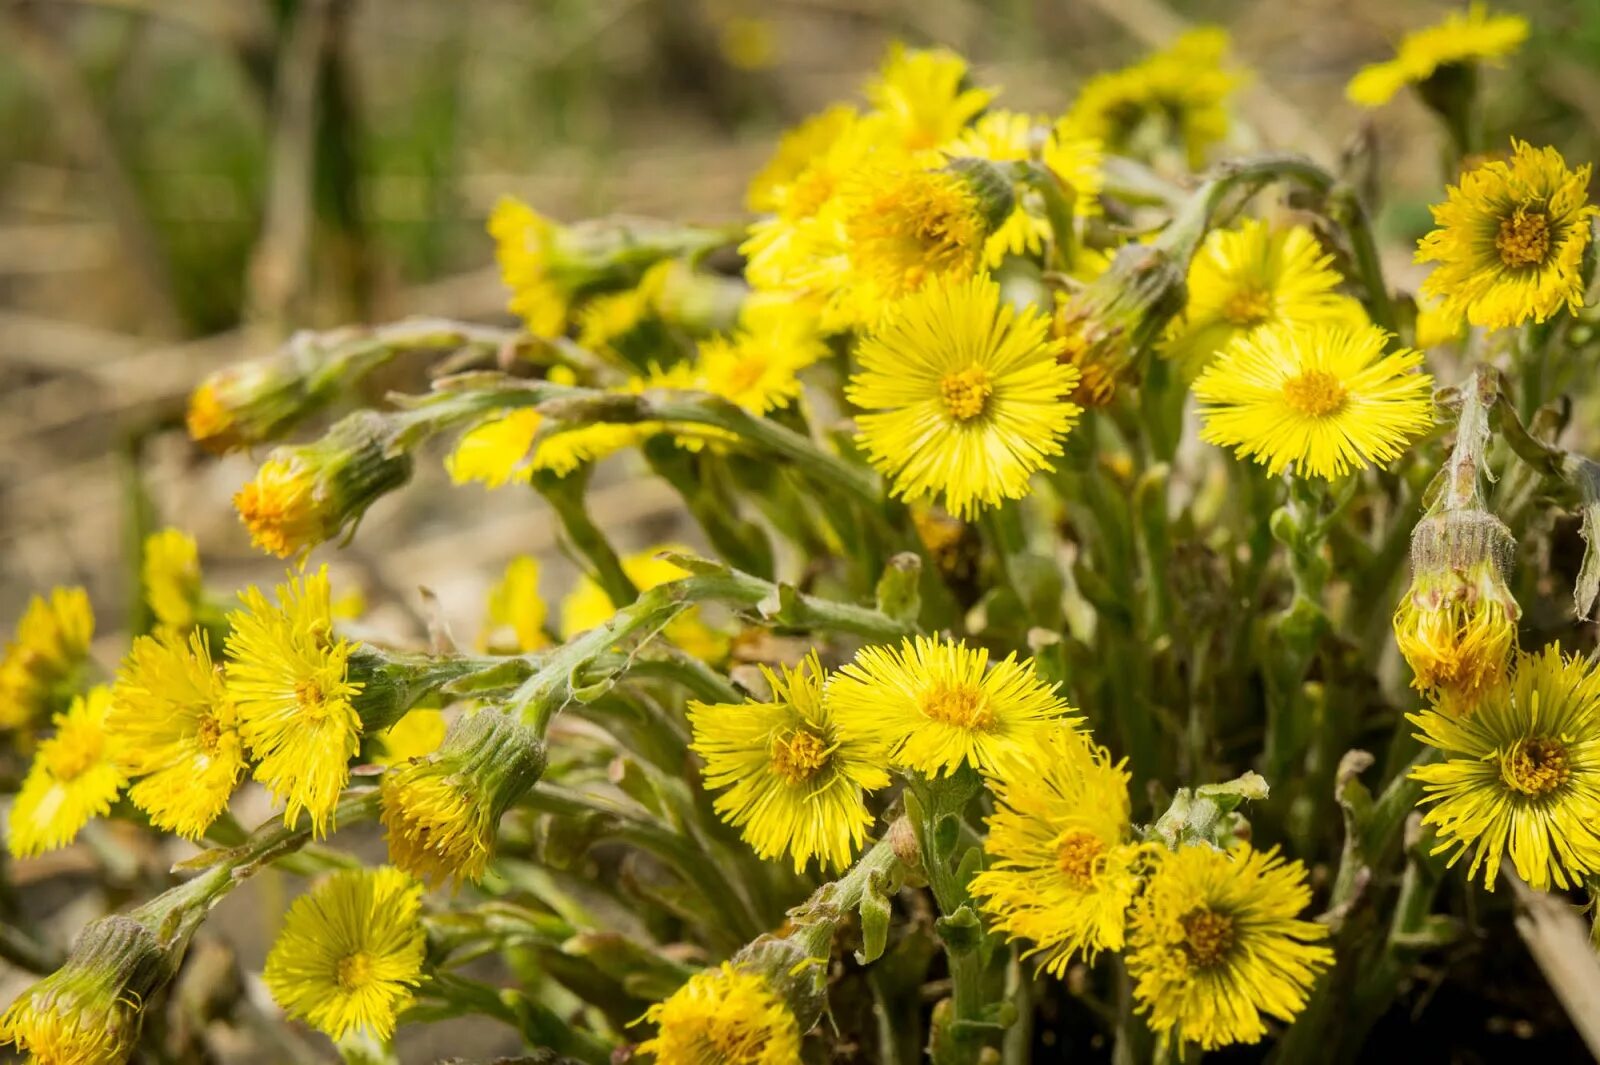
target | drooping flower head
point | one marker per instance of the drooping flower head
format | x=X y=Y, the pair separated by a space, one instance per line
x=1253 y=276
x=966 y=396
x=1324 y=396
x=440 y=812
x=72 y=779
x=923 y=96
x=1106 y=326
x=89 y=1011
x=726 y=1015
x=940 y=706
x=1216 y=942
x=1062 y=869
x=170 y=573
x=289 y=678
x=173 y=725
x=1521 y=774
x=1176 y=95
x=350 y=952
x=1462 y=38
x=1457 y=623
x=1510 y=240
x=41 y=669
x=794 y=778
x=309 y=493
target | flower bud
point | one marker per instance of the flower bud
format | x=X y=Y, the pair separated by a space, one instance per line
x=440 y=812
x=88 y=1011
x=306 y=494
x=1109 y=323
x=989 y=185
x=1457 y=623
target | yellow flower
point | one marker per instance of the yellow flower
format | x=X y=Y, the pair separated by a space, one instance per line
x=1323 y=396
x=798 y=155
x=89 y=1011
x=440 y=812
x=967 y=397
x=1511 y=240
x=416 y=734
x=510 y=446
x=288 y=677
x=923 y=96
x=795 y=779
x=43 y=661
x=71 y=780
x=172 y=723
x=727 y=1016
x=1463 y=37
x=516 y=605
x=1457 y=623
x=939 y=706
x=757 y=366
x=1521 y=774
x=524 y=243
x=588 y=605
x=1245 y=279
x=1436 y=327
x=1061 y=868
x=748 y=42
x=350 y=952
x=1215 y=942
x=171 y=575
x=1177 y=94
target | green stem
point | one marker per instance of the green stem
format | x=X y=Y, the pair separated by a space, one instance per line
x=565 y=496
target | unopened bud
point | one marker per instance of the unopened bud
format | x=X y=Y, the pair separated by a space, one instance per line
x=1112 y=321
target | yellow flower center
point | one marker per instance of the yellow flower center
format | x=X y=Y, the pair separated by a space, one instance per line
x=1207 y=936
x=1248 y=306
x=799 y=756
x=1535 y=766
x=311 y=699
x=746 y=373
x=1524 y=238
x=1076 y=855
x=355 y=971
x=71 y=761
x=960 y=707
x=209 y=734
x=966 y=392
x=1314 y=393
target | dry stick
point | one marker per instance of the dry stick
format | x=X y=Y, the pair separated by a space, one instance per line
x=1559 y=942
x=90 y=138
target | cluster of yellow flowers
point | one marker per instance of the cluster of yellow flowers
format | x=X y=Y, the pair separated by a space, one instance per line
x=993 y=304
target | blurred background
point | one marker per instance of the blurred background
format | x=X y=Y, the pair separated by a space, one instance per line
x=185 y=182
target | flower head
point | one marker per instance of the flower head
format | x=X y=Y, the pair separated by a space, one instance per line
x=40 y=670
x=89 y=1011
x=1324 y=396
x=72 y=779
x=1521 y=774
x=1463 y=37
x=416 y=735
x=170 y=572
x=516 y=607
x=511 y=446
x=757 y=366
x=1457 y=623
x=1215 y=942
x=923 y=96
x=249 y=402
x=350 y=952
x=939 y=706
x=774 y=187
x=440 y=812
x=1061 y=868
x=288 y=676
x=1510 y=240
x=1177 y=94
x=795 y=779
x=1105 y=327
x=966 y=395
x=173 y=724
x=1247 y=278
x=726 y=1015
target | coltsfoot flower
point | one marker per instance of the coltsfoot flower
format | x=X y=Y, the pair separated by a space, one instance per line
x=440 y=812
x=40 y=671
x=516 y=608
x=726 y=1015
x=965 y=396
x=794 y=777
x=89 y=1011
x=1216 y=941
x=1511 y=239
x=1521 y=774
x=170 y=573
x=1062 y=868
x=289 y=678
x=173 y=725
x=922 y=97
x=1462 y=38
x=73 y=778
x=939 y=706
x=350 y=953
x=1325 y=397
